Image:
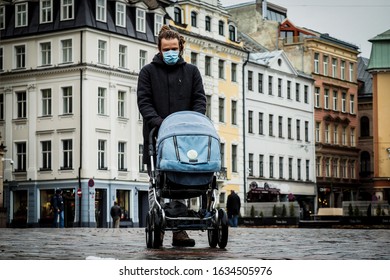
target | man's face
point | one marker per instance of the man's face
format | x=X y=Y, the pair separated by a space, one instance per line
x=169 y=45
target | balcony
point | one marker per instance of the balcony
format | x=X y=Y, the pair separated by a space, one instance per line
x=222 y=174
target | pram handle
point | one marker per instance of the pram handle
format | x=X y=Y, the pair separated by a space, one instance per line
x=152 y=134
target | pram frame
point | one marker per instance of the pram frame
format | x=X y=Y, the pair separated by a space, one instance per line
x=157 y=222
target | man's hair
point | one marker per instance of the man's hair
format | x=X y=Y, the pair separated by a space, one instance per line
x=167 y=33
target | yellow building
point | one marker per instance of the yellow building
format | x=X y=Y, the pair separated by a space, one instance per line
x=379 y=67
x=212 y=44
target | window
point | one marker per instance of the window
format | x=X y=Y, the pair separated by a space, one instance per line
x=221 y=110
x=261 y=165
x=297 y=92
x=365 y=164
x=270 y=85
x=120 y=18
x=281 y=167
x=260 y=83
x=250 y=121
x=327 y=140
x=316 y=63
x=318 y=166
x=21 y=157
x=317 y=97
x=46 y=11
x=1 y=106
x=342 y=70
x=21 y=100
x=158 y=23
x=234 y=158
x=352 y=135
x=352 y=169
x=234 y=72
x=208 y=106
x=336 y=134
x=67 y=9
x=232 y=33
x=325 y=62
x=289 y=128
x=102 y=154
x=122 y=56
x=250 y=80
x=194 y=17
x=66 y=46
x=317 y=131
x=141 y=165
x=67 y=154
x=335 y=166
x=122 y=156
x=1 y=59
x=352 y=104
x=221 y=27
x=280 y=125
x=306 y=131
x=177 y=15
x=194 y=58
x=141 y=18
x=261 y=125
x=327 y=167
x=299 y=167
x=326 y=99
x=2 y=17
x=222 y=148
x=343 y=169
x=46 y=102
x=364 y=127
x=102 y=101
x=67 y=100
x=250 y=165
x=271 y=166
x=207 y=68
x=20 y=56
x=306 y=94
x=288 y=89
x=343 y=102
x=45 y=53
x=101 y=10
x=21 y=15
x=121 y=103
x=221 y=69
x=334 y=68
x=307 y=170
x=142 y=58
x=335 y=96
x=271 y=125
x=351 y=73
x=298 y=124
x=46 y=155
x=344 y=136
x=290 y=168
x=279 y=87
x=208 y=23
x=102 y=50
x=234 y=112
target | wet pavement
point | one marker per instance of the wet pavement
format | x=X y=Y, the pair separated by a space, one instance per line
x=244 y=243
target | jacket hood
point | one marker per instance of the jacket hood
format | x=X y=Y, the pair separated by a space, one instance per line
x=157 y=59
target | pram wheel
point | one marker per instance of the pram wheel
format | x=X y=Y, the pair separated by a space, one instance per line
x=153 y=230
x=219 y=235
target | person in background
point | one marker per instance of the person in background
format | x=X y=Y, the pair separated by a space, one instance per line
x=233 y=206
x=167 y=85
x=57 y=203
x=116 y=213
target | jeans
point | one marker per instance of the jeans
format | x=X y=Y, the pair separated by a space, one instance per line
x=58 y=216
x=233 y=221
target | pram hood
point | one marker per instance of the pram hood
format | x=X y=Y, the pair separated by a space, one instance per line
x=188 y=142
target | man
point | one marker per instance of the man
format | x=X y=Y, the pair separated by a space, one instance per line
x=233 y=206
x=116 y=213
x=58 y=208
x=165 y=86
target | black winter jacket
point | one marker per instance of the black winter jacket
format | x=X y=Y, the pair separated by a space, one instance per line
x=165 y=89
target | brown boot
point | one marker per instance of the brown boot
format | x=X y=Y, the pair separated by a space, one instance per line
x=180 y=238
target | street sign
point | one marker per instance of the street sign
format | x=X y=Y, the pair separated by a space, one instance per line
x=79 y=192
x=91 y=183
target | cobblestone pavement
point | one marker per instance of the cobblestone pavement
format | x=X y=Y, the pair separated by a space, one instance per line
x=244 y=243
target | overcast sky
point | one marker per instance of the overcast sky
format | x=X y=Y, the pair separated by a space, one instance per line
x=353 y=21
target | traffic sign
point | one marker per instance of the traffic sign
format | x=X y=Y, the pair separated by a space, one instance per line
x=91 y=183
x=79 y=192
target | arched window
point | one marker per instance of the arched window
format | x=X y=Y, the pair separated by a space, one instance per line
x=364 y=127
x=208 y=23
x=232 y=33
x=194 y=16
x=177 y=13
x=221 y=27
x=365 y=164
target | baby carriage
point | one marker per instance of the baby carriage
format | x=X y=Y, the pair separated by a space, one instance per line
x=183 y=162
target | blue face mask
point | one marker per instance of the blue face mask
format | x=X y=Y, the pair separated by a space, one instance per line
x=171 y=57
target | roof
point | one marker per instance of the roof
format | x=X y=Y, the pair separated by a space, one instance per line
x=364 y=76
x=380 y=52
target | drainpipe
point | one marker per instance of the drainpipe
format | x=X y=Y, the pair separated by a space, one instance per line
x=81 y=121
x=244 y=121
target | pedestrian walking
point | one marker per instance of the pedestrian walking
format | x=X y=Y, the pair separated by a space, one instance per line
x=57 y=203
x=116 y=213
x=165 y=86
x=233 y=206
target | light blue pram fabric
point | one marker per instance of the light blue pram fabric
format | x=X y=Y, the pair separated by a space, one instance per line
x=188 y=142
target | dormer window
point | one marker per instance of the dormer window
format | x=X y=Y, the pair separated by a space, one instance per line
x=21 y=15
x=208 y=23
x=67 y=9
x=194 y=16
x=46 y=11
x=177 y=13
x=232 y=33
x=141 y=18
x=221 y=26
x=101 y=6
x=120 y=18
x=158 y=23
